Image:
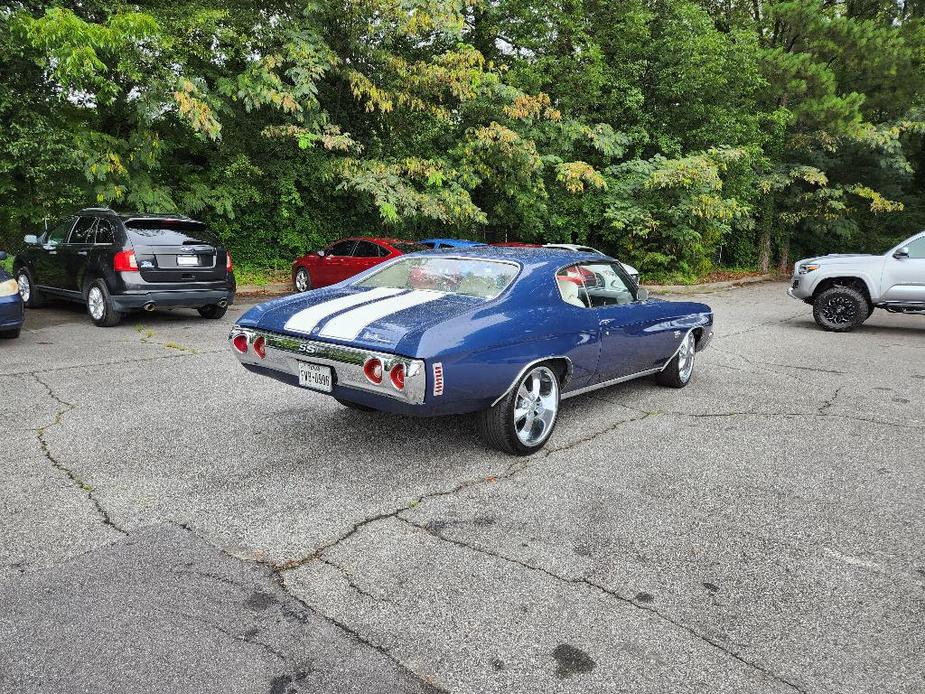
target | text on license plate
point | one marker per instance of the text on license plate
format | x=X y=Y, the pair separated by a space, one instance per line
x=187 y=261
x=315 y=376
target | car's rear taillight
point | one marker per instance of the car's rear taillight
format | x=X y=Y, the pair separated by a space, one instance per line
x=397 y=376
x=240 y=343
x=372 y=369
x=260 y=347
x=124 y=261
x=227 y=261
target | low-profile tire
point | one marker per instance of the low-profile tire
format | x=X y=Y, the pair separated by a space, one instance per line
x=523 y=420
x=356 y=406
x=680 y=369
x=99 y=305
x=29 y=293
x=302 y=281
x=212 y=311
x=841 y=309
x=9 y=334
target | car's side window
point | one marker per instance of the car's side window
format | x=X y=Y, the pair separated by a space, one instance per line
x=343 y=248
x=365 y=249
x=82 y=231
x=593 y=285
x=58 y=233
x=917 y=248
x=382 y=251
x=105 y=232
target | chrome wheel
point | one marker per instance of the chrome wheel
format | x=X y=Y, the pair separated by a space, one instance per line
x=25 y=288
x=96 y=303
x=686 y=357
x=301 y=280
x=536 y=406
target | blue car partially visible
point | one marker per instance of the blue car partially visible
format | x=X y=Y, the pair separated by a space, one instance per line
x=450 y=243
x=12 y=311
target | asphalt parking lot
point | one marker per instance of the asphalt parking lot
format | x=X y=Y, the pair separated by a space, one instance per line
x=172 y=523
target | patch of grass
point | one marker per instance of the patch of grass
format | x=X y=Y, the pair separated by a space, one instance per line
x=179 y=348
x=259 y=276
x=7 y=264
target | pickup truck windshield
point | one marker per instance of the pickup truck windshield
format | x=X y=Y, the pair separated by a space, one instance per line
x=480 y=278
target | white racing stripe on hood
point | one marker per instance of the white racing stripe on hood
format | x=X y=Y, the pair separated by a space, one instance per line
x=349 y=325
x=305 y=320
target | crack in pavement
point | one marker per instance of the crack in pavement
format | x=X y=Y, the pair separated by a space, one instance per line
x=353 y=584
x=178 y=355
x=75 y=479
x=514 y=468
x=759 y=326
x=243 y=638
x=614 y=594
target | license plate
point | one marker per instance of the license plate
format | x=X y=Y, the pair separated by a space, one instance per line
x=316 y=377
x=187 y=261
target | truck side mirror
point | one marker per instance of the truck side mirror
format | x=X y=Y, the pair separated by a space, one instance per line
x=31 y=239
x=901 y=253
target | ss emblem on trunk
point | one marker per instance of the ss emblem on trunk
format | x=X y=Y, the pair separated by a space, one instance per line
x=306 y=348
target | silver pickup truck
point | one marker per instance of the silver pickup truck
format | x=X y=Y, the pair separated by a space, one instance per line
x=844 y=290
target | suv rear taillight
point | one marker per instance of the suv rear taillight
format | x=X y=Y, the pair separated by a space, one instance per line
x=124 y=261
x=227 y=261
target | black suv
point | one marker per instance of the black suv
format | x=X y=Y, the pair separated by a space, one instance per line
x=117 y=262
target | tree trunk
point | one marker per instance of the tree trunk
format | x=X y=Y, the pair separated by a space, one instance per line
x=764 y=252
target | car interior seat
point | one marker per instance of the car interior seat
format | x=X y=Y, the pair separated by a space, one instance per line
x=570 y=293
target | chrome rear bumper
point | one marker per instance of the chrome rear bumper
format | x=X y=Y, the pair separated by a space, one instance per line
x=284 y=352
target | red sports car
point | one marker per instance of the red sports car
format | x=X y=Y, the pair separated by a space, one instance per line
x=346 y=258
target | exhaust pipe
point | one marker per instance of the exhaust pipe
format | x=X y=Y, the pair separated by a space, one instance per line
x=223 y=303
x=149 y=306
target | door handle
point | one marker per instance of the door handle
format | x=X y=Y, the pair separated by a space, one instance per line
x=82 y=252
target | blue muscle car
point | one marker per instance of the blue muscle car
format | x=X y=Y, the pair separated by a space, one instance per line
x=504 y=332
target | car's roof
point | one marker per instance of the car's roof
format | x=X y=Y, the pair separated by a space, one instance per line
x=525 y=255
x=375 y=239
x=459 y=243
x=570 y=246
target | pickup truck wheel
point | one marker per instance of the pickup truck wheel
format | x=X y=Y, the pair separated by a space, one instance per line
x=28 y=292
x=679 y=370
x=100 y=306
x=840 y=309
x=522 y=422
x=356 y=406
x=213 y=311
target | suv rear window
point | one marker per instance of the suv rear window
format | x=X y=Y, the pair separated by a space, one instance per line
x=169 y=232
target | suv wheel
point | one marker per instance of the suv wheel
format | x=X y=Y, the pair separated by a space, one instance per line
x=100 y=306
x=840 y=309
x=30 y=295
x=213 y=311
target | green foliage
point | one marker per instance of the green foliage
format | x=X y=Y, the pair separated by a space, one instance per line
x=677 y=135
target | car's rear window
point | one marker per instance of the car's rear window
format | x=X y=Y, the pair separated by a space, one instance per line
x=168 y=232
x=469 y=277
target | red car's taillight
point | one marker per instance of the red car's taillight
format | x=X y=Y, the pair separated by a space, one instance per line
x=260 y=347
x=240 y=343
x=397 y=376
x=227 y=261
x=124 y=261
x=373 y=370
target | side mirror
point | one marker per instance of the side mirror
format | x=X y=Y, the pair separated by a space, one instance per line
x=901 y=253
x=320 y=254
x=31 y=239
x=642 y=294
x=2 y=255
